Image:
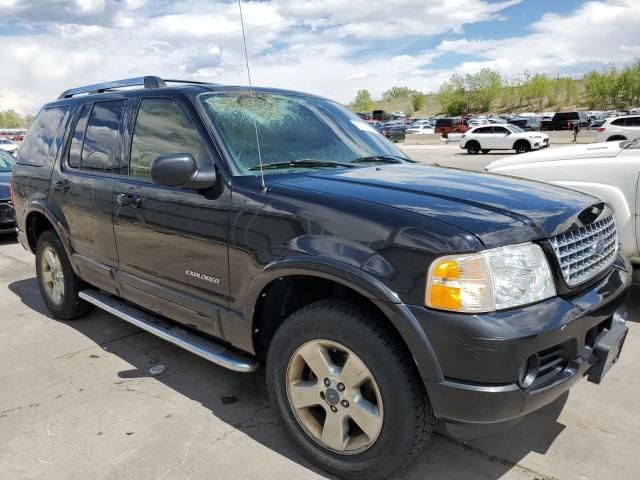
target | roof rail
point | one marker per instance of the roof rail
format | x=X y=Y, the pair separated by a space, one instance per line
x=148 y=82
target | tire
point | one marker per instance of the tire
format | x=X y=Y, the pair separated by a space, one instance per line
x=392 y=138
x=405 y=418
x=473 y=147
x=69 y=305
x=617 y=138
x=522 y=146
x=485 y=151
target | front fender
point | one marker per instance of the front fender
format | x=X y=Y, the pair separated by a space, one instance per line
x=366 y=285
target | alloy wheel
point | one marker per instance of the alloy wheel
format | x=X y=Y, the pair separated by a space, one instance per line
x=52 y=275
x=334 y=397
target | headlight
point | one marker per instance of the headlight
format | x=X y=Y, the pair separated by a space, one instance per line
x=491 y=280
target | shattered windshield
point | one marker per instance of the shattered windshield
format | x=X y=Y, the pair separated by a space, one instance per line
x=291 y=128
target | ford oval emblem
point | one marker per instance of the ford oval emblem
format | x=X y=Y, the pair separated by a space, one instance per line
x=598 y=246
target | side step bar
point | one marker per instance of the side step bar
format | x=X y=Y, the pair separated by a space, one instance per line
x=200 y=346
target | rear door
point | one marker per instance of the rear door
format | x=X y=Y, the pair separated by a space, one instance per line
x=172 y=242
x=82 y=189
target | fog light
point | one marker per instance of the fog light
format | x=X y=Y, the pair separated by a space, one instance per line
x=529 y=371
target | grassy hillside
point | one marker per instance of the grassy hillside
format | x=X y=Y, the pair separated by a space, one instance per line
x=499 y=106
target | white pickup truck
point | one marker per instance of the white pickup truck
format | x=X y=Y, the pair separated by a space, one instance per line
x=610 y=171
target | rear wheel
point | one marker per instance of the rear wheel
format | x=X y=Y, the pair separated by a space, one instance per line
x=522 y=146
x=392 y=138
x=485 y=150
x=347 y=391
x=58 y=283
x=616 y=138
x=473 y=147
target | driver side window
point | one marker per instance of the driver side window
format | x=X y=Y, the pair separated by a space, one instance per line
x=162 y=127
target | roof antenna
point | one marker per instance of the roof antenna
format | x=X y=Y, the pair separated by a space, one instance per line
x=255 y=123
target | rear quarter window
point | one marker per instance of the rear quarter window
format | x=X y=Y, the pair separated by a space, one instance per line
x=41 y=136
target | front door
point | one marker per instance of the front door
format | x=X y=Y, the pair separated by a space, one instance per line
x=82 y=188
x=172 y=242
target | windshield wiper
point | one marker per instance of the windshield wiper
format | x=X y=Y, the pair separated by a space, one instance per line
x=382 y=159
x=305 y=163
x=629 y=143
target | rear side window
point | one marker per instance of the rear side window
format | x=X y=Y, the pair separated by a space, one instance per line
x=41 y=136
x=620 y=122
x=99 y=151
x=633 y=122
x=162 y=127
x=75 y=150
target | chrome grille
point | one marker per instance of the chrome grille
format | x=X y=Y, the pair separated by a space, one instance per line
x=578 y=251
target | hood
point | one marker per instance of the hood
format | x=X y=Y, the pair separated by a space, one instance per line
x=498 y=210
x=592 y=150
x=5 y=189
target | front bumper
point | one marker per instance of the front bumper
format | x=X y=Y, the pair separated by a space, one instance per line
x=484 y=358
x=7 y=218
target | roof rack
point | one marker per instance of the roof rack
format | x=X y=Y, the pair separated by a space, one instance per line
x=148 y=82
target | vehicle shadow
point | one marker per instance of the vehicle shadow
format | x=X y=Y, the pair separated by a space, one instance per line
x=8 y=239
x=241 y=401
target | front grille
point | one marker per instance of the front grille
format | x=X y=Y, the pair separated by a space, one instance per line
x=585 y=252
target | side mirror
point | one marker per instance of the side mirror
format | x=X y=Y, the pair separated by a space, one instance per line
x=508 y=133
x=181 y=170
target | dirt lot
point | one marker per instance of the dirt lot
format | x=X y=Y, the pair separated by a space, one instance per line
x=78 y=402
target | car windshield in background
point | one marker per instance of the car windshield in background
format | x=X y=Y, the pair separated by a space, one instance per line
x=515 y=128
x=292 y=128
x=6 y=162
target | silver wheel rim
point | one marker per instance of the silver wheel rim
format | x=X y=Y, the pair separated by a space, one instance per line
x=52 y=275
x=334 y=397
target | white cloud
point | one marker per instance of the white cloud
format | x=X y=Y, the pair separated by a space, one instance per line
x=328 y=47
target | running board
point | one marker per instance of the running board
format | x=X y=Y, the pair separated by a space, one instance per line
x=200 y=346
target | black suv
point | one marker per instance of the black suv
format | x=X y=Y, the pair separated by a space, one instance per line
x=380 y=294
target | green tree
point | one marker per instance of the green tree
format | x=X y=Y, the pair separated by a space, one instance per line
x=418 y=100
x=538 y=88
x=453 y=96
x=483 y=88
x=363 y=102
x=603 y=88
x=398 y=92
x=11 y=119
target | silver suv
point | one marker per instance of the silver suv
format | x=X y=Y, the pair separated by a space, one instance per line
x=619 y=128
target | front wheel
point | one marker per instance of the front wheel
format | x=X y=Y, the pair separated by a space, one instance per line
x=522 y=147
x=58 y=283
x=347 y=391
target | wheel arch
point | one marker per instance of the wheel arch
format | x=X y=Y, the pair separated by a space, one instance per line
x=275 y=290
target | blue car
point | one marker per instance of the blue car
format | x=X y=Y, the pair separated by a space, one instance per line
x=7 y=224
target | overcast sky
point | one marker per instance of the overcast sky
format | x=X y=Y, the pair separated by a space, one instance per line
x=327 y=47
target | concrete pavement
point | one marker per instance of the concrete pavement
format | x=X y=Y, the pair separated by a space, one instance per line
x=77 y=401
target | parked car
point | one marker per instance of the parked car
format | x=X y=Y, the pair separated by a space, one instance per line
x=6 y=205
x=380 y=294
x=447 y=125
x=528 y=124
x=420 y=129
x=7 y=145
x=395 y=132
x=502 y=137
x=610 y=171
x=562 y=120
x=619 y=128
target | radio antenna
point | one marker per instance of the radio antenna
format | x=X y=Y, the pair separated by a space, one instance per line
x=255 y=122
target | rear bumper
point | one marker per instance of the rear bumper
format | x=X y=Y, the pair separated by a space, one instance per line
x=483 y=357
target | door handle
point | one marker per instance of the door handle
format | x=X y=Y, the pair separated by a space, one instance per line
x=128 y=200
x=61 y=186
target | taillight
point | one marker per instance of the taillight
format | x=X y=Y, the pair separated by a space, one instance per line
x=601 y=129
